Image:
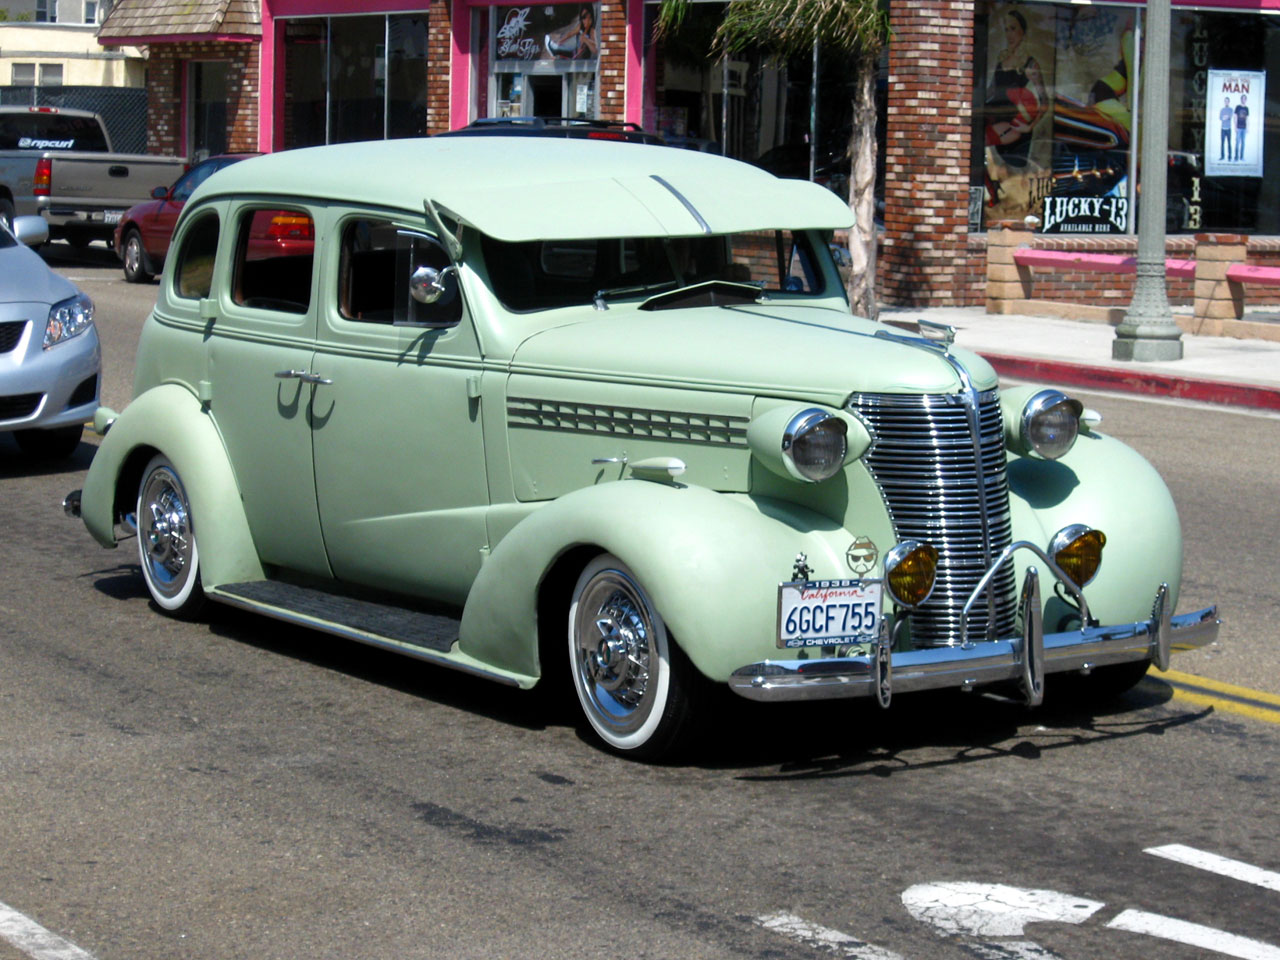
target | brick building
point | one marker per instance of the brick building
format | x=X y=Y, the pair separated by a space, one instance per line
x=991 y=111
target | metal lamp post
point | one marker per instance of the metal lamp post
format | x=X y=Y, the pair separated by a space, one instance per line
x=1148 y=331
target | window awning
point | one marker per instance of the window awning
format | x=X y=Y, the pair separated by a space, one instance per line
x=160 y=21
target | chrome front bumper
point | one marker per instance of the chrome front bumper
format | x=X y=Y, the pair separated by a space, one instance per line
x=1024 y=660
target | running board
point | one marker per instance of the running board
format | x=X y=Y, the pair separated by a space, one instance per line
x=424 y=636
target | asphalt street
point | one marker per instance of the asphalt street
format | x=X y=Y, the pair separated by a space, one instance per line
x=237 y=788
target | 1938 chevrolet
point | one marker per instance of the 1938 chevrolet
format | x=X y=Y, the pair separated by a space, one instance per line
x=541 y=408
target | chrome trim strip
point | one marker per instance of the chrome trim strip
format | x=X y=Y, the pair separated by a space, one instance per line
x=382 y=643
x=693 y=211
x=531 y=413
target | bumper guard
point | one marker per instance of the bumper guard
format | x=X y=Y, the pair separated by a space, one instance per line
x=1023 y=660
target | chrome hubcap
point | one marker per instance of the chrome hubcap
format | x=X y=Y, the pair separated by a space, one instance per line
x=132 y=255
x=615 y=647
x=166 y=532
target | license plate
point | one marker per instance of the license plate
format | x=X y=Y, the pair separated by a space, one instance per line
x=823 y=613
x=112 y=216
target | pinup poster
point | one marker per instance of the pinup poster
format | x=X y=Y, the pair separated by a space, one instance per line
x=564 y=31
x=1233 y=119
x=1057 y=116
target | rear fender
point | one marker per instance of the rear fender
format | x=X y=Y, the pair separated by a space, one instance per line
x=710 y=562
x=168 y=419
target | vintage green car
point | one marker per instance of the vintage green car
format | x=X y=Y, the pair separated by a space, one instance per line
x=599 y=413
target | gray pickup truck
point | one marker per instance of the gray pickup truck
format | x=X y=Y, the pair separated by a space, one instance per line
x=58 y=164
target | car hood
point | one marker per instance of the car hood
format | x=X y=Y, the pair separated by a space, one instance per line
x=25 y=278
x=812 y=353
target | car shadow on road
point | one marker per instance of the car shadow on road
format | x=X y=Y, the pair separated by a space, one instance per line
x=15 y=463
x=926 y=731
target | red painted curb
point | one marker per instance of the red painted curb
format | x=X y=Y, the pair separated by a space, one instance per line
x=1135 y=381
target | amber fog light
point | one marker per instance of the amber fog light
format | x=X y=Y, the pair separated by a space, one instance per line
x=909 y=572
x=1078 y=551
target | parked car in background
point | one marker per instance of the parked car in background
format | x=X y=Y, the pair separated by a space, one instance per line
x=50 y=361
x=548 y=409
x=570 y=128
x=142 y=236
x=58 y=163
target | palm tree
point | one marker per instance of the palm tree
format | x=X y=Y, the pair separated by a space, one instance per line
x=858 y=29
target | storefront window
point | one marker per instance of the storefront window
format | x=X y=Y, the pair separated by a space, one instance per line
x=1219 y=144
x=542 y=61
x=1053 y=115
x=751 y=106
x=1054 y=119
x=355 y=78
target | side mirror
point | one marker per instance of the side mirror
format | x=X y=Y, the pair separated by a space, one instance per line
x=32 y=231
x=426 y=284
x=159 y=193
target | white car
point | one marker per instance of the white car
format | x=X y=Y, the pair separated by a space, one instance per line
x=50 y=359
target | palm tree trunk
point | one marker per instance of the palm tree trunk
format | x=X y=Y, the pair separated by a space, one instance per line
x=862 y=191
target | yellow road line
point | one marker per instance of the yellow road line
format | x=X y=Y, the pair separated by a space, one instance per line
x=1218 y=686
x=1203 y=692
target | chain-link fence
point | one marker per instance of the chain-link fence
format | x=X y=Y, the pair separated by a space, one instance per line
x=124 y=111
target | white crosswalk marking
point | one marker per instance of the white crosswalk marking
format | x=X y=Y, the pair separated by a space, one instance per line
x=34 y=940
x=1235 y=869
x=823 y=938
x=1195 y=935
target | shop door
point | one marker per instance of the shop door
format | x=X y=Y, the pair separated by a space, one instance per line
x=207 y=108
x=547 y=94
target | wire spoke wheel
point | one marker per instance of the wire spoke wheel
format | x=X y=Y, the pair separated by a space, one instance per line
x=166 y=540
x=629 y=679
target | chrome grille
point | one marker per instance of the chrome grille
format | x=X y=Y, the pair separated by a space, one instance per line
x=925 y=461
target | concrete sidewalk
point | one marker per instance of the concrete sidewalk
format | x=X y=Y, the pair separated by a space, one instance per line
x=1078 y=353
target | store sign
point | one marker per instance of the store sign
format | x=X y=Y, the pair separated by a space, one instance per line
x=1085 y=215
x=1234 y=105
x=548 y=32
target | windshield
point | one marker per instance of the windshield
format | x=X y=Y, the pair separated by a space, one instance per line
x=542 y=274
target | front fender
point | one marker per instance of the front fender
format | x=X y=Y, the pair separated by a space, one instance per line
x=711 y=563
x=1111 y=487
x=168 y=419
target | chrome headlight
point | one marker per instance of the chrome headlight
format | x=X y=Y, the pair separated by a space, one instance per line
x=1077 y=550
x=68 y=319
x=1050 y=424
x=816 y=442
x=909 y=572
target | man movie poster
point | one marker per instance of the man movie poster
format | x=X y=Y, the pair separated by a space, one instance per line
x=1233 y=123
x=1057 y=116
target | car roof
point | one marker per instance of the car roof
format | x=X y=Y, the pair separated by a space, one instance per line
x=532 y=188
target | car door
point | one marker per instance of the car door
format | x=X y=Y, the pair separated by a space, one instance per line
x=399 y=455
x=261 y=340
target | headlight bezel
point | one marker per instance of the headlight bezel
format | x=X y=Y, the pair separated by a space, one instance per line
x=68 y=319
x=1032 y=423
x=803 y=425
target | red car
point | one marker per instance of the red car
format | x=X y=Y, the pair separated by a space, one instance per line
x=143 y=234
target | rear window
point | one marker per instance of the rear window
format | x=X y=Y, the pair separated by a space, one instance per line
x=50 y=131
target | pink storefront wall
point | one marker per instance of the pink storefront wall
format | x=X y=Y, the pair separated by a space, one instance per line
x=271 y=117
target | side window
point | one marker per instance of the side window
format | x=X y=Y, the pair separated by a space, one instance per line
x=381 y=277
x=274 y=252
x=193 y=277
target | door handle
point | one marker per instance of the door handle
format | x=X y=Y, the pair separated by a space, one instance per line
x=302 y=375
